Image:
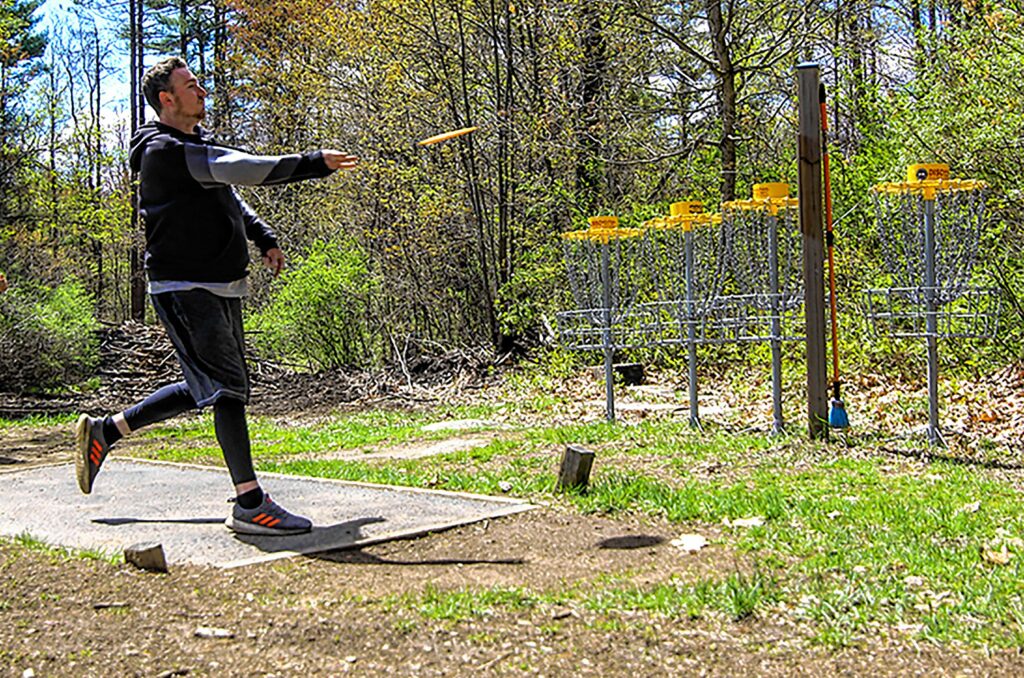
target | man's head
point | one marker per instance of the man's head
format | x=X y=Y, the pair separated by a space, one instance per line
x=174 y=93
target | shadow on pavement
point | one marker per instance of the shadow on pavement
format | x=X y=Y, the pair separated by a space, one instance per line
x=132 y=521
x=318 y=539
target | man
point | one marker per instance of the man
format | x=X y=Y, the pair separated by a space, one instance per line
x=197 y=256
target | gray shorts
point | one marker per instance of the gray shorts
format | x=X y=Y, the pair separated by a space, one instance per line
x=206 y=331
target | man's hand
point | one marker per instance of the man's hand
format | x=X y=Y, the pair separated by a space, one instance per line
x=274 y=260
x=336 y=160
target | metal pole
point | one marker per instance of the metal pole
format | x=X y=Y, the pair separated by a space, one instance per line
x=809 y=147
x=691 y=333
x=606 y=332
x=931 y=324
x=776 y=339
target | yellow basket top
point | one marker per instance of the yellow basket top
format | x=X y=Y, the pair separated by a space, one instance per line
x=770 y=197
x=603 y=229
x=927 y=180
x=686 y=208
x=684 y=215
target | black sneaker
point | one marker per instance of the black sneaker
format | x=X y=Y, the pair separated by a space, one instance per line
x=268 y=518
x=92 y=450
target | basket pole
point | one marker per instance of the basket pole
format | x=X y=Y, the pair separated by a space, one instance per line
x=778 y=425
x=691 y=330
x=931 y=323
x=606 y=331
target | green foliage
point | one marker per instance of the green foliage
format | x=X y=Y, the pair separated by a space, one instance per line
x=318 y=315
x=47 y=336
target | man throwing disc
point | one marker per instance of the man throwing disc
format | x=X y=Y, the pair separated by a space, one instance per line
x=197 y=256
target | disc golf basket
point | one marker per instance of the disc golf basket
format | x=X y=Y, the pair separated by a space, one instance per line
x=684 y=257
x=930 y=227
x=602 y=263
x=764 y=283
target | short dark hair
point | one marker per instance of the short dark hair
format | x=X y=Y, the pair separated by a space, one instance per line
x=158 y=78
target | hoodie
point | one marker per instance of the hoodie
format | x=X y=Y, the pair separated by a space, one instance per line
x=196 y=224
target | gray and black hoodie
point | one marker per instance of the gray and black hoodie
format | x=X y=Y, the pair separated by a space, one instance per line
x=196 y=225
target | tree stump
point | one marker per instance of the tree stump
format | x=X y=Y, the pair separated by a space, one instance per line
x=575 y=470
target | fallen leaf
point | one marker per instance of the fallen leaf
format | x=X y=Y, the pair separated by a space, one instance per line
x=211 y=632
x=753 y=521
x=913 y=580
x=973 y=507
x=997 y=557
x=690 y=542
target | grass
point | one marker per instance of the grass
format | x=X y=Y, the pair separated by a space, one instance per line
x=855 y=542
x=737 y=596
x=31 y=543
x=194 y=439
x=38 y=421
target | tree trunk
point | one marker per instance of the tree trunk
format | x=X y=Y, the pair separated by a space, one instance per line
x=137 y=279
x=727 y=99
x=589 y=173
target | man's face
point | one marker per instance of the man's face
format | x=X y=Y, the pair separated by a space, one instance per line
x=187 y=95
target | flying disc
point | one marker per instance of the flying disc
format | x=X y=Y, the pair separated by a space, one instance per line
x=438 y=138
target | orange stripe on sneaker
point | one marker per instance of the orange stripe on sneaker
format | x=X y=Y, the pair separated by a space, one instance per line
x=272 y=523
x=96 y=446
x=95 y=457
x=260 y=518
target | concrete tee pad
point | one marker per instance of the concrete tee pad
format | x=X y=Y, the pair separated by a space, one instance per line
x=183 y=507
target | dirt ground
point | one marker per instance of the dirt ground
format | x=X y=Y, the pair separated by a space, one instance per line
x=355 y=612
x=334 y=614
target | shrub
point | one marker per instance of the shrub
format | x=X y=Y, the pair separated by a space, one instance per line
x=48 y=337
x=318 y=312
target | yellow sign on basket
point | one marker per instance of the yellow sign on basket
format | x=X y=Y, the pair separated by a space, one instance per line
x=603 y=222
x=774 y=190
x=935 y=171
x=687 y=208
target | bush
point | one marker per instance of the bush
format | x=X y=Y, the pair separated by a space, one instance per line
x=318 y=314
x=48 y=337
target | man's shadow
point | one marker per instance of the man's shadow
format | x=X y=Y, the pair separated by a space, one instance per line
x=337 y=543
x=326 y=538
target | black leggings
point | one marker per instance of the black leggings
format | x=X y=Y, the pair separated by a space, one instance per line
x=228 y=422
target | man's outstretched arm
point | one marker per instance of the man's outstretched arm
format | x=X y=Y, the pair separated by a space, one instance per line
x=216 y=166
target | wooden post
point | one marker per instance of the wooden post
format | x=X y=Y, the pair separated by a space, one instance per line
x=809 y=150
x=575 y=471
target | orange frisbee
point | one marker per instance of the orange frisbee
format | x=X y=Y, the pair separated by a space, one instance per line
x=438 y=138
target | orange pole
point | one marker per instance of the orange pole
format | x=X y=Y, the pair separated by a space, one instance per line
x=829 y=238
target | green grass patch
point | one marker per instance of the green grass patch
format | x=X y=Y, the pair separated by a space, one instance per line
x=38 y=421
x=194 y=440
x=32 y=543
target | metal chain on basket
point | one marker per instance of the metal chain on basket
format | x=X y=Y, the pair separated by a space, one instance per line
x=749 y=248
x=584 y=263
x=958 y=217
x=665 y=257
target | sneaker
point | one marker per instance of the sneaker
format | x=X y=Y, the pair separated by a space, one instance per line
x=92 y=450
x=268 y=518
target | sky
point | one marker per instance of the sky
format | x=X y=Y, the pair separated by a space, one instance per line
x=58 y=17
